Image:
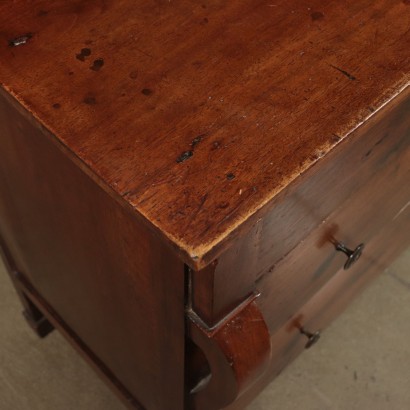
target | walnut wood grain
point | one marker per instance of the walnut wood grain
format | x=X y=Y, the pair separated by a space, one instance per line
x=367 y=196
x=113 y=282
x=238 y=352
x=353 y=192
x=139 y=136
x=197 y=114
x=295 y=279
x=287 y=342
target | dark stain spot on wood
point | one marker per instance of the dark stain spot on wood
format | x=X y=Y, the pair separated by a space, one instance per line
x=215 y=145
x=147 y=91
x=71 y=73
x=56 y=106
x=230 y=176
x=317 y=15
x=97 y=64
x=204 y=21
x=223 y=205
x=406 y=2
x=336 y=138
x=21 y=40
x=42 y=13
x=197 y=140
x=90 y=100
x=375 y=145
x=371 y=109
x=197 y=63
x=381 y=140
x=345 y=73
x=188 y=154
x=184 y=156
x=85 y=52
x=134 y=74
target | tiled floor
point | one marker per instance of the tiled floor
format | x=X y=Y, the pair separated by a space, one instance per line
x=361 y=363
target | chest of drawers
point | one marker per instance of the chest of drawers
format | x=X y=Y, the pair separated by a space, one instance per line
x=190 y=192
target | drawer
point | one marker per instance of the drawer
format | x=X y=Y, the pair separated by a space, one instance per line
x=287 y=342
x=244 y=352
x=352 y=192
x=297 y=277
x=239 y=340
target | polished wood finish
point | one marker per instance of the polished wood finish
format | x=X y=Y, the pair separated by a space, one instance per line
x=372 y=167
x=237 y=350
x=312 y=263
x=110 y=278
x=370 y=194
x=287 y=342
x=162 y=163
x=257 y=92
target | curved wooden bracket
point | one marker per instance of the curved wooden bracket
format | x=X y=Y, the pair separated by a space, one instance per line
x=238 y=351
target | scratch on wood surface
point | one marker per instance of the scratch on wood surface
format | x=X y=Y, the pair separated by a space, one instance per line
x=345 y=73
x=198 y=210
x=401 y=211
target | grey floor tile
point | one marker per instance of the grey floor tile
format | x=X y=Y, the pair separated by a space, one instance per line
x=400 y=269
x=43 y=374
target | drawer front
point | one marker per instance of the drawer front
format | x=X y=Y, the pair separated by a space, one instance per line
x=287 y=342
x=357 y=188
x=245 y=352
x=360 y=194
x=297 y=277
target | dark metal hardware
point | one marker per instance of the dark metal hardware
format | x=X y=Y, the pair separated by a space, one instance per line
x=313 y=338
x=352 y=256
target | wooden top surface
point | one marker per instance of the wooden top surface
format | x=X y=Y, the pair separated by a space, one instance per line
x=199 y=113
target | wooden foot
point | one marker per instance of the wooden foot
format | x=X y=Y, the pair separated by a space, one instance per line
x=32 y=314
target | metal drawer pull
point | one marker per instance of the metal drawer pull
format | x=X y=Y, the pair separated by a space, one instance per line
x=352 y=256
x=313 y=338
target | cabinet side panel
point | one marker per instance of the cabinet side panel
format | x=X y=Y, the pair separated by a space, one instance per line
x=114 y=283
